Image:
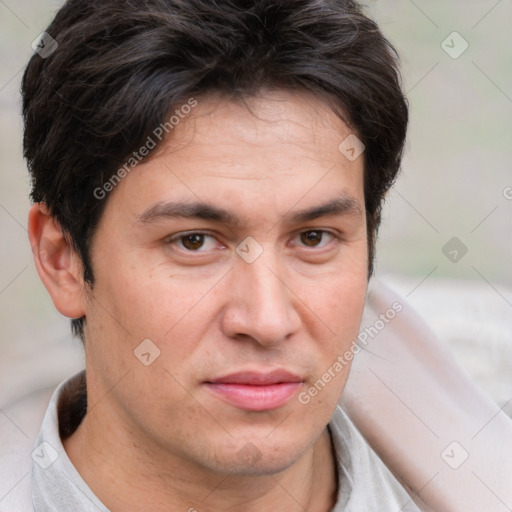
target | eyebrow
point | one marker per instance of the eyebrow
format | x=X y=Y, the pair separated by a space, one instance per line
x=343 y=205
x=187 y=210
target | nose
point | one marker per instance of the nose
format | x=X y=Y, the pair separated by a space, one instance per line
x=261 y=303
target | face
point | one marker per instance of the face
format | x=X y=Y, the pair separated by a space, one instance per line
x=239 y=250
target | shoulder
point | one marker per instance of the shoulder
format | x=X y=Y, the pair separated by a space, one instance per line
x=415 y=405
x=365 y=482
x=20 y=423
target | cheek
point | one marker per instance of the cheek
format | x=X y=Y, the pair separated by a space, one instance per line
x=335 y=350
x=339 y=297
x=126 y=311
x=149 y=302
x=343 y=300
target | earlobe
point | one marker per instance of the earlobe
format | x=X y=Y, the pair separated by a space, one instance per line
x=57 y=263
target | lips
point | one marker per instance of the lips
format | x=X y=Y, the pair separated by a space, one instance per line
x=256 y=391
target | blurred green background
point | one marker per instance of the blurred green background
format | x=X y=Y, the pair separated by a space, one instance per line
x=456 y=171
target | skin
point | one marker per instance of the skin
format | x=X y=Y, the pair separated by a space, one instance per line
x=155 y=437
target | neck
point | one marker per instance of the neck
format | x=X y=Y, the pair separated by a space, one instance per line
x=127 y=476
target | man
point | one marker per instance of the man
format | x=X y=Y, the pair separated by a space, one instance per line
x=207 y=180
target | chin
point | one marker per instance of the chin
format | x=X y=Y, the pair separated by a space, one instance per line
x=259 y=457
x=267 y=465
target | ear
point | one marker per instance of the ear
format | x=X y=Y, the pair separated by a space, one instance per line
x=58 y=265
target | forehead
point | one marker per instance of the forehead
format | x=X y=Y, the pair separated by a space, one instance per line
x=300 y=123
x=274 y=150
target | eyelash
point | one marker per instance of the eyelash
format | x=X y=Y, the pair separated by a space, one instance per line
x=180 y=236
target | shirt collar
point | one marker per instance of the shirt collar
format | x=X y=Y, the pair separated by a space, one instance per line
x=56 y=484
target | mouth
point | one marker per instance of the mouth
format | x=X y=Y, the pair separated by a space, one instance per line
x=256 y=391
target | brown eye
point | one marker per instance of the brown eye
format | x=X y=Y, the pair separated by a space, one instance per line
x=311 y=238
x=193 y=241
